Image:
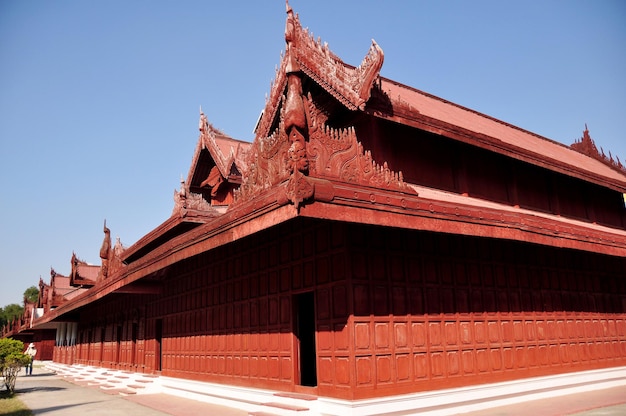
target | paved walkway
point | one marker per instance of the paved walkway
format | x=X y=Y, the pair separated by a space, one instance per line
x=47 y=394
x=608 y=402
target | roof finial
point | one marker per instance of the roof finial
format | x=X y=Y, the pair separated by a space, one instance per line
x=203 y=123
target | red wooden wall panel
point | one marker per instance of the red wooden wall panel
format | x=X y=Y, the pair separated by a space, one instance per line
x=395 y=311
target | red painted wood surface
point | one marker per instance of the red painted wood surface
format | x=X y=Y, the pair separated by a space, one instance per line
x=439 y=162
x=396 y=311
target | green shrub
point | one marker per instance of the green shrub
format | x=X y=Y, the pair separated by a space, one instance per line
x=12 y=359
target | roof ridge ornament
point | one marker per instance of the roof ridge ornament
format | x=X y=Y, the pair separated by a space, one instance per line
x=207 y=138
x=587 y=146
x=105 y=253
x=285 y=150
x=350 y=85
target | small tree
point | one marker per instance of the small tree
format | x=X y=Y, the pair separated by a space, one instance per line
x=31 y=294
x=12 y=359
x=9 y=312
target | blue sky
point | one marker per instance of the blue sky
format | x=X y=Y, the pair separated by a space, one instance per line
x=99 y=100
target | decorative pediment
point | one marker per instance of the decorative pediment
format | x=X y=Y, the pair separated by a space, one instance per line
x=294 y=145
x=349 y=85
x=337 y=154
x=82 y=273
x=216 y=169
x=208 y=141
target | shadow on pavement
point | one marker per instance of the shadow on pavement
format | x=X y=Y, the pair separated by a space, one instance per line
x=44 y=388
x=43 y=410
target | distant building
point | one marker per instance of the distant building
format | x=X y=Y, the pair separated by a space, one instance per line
x=373 y=241
x=61 y=289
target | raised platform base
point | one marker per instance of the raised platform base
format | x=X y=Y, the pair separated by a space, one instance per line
x=433 y=403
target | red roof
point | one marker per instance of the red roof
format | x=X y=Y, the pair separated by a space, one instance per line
x=88 y=271
x=503 y=137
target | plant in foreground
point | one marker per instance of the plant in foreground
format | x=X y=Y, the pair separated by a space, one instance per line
x=12 y=359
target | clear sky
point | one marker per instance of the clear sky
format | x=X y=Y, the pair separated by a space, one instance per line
x=99 y=99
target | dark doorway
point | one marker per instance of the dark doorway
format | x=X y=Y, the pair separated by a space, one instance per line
x=158 y=336
x=118 y=351
x=135 y=330
x=304 y=322
x=102 y=335
x=89 y=341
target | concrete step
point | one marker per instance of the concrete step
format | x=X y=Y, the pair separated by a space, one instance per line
x=286 y=406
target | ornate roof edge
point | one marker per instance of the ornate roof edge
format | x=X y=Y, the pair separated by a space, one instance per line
x=587 y=146
x=294 y=147
x=75 y=277
x=207 y=140
x=110 y=256
x=191 y=204
x=350 y=85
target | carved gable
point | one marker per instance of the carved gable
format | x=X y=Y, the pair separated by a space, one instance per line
x=294 y=145
x=83 y=273
x=216 y=170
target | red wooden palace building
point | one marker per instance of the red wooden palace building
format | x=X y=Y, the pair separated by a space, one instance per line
x=373 y=241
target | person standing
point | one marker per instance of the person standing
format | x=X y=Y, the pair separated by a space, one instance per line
x=31 y=351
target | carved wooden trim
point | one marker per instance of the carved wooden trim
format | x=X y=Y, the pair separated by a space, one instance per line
x=185 y=201
x=207 y=141
x=337 y=154
x=105 y=254
x=266 y=164
x=587 y=146
x=351 y=86
x=298 y=143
